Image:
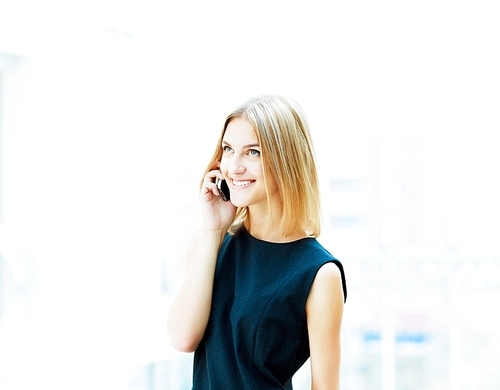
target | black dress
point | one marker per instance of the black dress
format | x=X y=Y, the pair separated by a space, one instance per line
x=256 y=337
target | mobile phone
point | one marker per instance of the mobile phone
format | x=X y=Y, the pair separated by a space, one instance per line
x=223 y=189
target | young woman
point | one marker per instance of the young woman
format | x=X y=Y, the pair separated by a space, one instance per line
x=260 y=294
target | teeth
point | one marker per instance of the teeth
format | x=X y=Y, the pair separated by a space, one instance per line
x=241 y=183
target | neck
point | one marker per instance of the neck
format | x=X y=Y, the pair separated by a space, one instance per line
x=266 y=226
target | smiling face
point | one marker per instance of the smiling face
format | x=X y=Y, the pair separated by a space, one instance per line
x=241 y=165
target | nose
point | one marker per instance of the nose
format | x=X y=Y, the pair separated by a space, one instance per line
x=235 y=166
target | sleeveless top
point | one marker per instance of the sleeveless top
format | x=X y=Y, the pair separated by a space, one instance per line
x=256 y=336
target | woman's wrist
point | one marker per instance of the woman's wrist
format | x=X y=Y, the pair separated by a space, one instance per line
x=215 y=234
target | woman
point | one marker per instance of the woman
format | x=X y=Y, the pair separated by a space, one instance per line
x=260 y=294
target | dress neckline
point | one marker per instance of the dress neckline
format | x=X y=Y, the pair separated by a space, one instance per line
x=244 y=230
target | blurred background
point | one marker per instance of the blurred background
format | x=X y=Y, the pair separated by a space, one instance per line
x=109 y=111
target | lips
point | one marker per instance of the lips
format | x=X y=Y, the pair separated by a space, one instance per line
x=242 y=183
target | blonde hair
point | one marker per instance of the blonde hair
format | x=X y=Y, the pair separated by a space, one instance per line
x=287 y=157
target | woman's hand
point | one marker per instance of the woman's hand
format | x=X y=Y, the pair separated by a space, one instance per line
x=217 y=214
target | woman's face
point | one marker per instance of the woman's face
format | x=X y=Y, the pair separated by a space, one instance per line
x=241 y=165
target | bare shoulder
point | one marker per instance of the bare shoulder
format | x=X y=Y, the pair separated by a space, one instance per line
x=327 y=286
x=328 y=278
x=329 y=273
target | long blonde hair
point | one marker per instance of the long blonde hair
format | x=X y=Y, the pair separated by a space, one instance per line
x=287 y=157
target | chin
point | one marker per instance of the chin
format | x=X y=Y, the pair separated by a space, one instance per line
x=248 y=201
x=238 y=203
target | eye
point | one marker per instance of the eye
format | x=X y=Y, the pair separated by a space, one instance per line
x=226 y=149
x=254 y=152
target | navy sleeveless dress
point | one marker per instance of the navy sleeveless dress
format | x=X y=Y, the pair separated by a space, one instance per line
x=256 y=337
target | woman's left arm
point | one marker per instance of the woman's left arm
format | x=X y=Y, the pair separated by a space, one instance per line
x=324 y=309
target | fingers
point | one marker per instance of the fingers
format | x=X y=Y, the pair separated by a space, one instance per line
x=209 y=183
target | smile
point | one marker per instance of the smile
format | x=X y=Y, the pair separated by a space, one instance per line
x=242 y=183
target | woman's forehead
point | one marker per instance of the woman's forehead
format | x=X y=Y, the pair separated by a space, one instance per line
x=240 y=131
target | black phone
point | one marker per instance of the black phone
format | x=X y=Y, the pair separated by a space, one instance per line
x=223 y=189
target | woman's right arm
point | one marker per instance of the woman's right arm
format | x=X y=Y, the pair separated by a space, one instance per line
x=189 y=314
x=190 y=310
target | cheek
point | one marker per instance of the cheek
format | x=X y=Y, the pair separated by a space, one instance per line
x=224 y=165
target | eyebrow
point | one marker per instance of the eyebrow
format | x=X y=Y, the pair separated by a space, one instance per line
x=244 y=146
